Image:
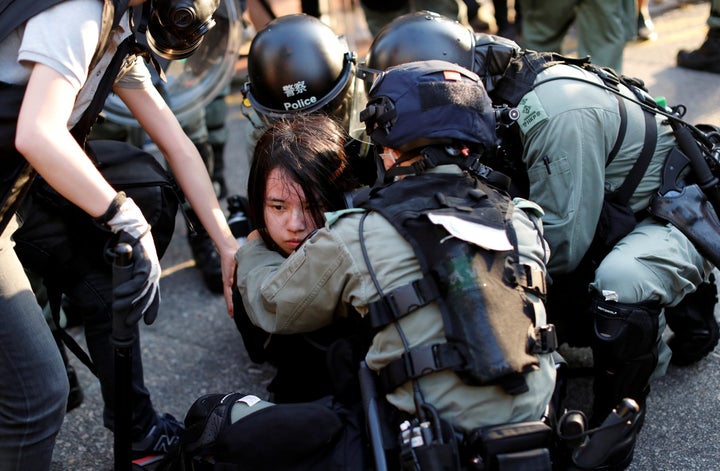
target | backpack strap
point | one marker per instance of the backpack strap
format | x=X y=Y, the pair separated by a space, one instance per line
x=622 y=110
x=82 y=128
x=54 y=300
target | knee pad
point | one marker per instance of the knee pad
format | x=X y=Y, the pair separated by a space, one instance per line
x=624 y=347
x=623 y=331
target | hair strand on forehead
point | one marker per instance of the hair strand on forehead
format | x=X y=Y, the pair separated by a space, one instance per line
x=308 y=150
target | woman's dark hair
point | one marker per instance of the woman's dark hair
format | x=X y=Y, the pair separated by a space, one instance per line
x=309 y=149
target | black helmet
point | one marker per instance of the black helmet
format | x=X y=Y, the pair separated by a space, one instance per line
x=426 y=103
x=419 y=36
x=175 y=28
x=298 y=64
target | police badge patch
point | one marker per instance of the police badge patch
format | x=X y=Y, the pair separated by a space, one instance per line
x=531 y=112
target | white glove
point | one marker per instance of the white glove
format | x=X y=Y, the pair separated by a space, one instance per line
x=140 y=295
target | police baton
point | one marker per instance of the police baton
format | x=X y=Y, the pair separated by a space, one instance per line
x=122 y=340
x=368 y=390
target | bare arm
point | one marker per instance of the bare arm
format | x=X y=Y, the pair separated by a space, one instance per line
x=43 y=139
x=160 y=123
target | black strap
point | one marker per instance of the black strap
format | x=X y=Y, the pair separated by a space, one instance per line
x=81 y=130
x=421 y=361
x=402 y=301
x=622 y=195
x=54 y=298
x=529 y=278
x=621 y=132
x=417 y=362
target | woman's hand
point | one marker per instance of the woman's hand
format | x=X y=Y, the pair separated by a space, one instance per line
x=229 y=267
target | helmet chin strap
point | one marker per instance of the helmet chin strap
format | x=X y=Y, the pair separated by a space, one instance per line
x=431 y=157
x=415 y=168
x=434 y=156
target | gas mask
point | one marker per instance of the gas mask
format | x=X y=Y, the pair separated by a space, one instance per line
x=176 y=27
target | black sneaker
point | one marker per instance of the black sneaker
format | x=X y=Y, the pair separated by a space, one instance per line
x=162 y=438
x=706 y=57
x=207 y=259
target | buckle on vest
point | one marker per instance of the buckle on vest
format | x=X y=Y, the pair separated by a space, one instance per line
x=545 y=339
x=479 y=169
x=417 y=362
x=402 y=301
x=533 y=280
x=607 y=77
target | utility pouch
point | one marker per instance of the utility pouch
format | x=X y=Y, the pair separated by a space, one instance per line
x=690 y=211
x=616 y=221
x=509 y=447
x=429 y=446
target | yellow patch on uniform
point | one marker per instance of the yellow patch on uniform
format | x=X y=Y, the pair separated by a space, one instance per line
x=531 y=112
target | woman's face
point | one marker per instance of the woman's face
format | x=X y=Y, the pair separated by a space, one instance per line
x=287 y=217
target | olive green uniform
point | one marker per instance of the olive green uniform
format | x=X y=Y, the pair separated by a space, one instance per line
x=603 y=27
x=568 y=129
x=327 y=275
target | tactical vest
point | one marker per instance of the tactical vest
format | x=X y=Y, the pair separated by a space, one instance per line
x=16 y=174
x=487 y=317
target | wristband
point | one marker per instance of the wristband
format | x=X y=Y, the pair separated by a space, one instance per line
x=112 y=210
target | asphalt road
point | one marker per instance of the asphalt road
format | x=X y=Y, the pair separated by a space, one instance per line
x=193 y=348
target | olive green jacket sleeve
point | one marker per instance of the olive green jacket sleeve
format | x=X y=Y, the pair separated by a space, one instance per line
x=295 y=294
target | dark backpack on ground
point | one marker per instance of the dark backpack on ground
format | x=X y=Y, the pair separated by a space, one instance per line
x=317 y=435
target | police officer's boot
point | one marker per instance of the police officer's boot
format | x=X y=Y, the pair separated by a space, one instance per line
x=624 y=347
x=206 y=256
x=695 y=329
x=706 y=57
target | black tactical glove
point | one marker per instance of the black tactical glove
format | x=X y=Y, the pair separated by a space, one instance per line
x=139 y=296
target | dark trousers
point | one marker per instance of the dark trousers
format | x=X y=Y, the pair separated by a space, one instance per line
x=65 y=250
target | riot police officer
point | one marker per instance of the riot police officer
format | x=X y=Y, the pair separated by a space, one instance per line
x=361 y=259
x=570 y=156
x=297 y=64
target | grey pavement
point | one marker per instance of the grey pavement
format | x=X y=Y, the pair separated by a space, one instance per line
x=193 y=348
